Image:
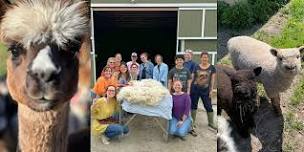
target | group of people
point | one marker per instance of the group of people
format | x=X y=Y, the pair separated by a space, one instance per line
x=187 y=81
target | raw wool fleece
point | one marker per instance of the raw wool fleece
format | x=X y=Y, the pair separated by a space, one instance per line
x=146 y=92
x=35 y=22
x=249 y=53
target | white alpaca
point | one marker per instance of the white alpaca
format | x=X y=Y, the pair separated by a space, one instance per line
x=280 y=66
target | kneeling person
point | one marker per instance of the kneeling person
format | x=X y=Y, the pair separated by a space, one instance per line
x=180 y=123
x=104 y=114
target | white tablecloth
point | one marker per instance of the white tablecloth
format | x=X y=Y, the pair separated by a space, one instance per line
x=163 y=109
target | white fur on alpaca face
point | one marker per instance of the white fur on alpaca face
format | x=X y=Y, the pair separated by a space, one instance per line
x=43 y=61
x=289 y=60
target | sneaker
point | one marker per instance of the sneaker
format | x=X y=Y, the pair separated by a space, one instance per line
x=105 y=140
x=125 y=135
x=193 y=133
x=182 y=138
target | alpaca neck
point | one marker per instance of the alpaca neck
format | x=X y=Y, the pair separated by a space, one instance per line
x=43 y=131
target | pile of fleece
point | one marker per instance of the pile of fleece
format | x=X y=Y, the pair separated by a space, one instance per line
x=145 y=92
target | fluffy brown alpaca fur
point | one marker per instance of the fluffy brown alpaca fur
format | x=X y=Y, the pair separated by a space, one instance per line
x=48 y=43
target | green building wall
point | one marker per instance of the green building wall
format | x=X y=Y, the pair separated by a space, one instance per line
x=154 y=1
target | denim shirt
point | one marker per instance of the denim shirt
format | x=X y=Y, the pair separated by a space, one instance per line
x=190 y=65
x=148 y=70
x=161 y=74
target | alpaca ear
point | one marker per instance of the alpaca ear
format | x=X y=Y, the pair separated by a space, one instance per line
x=4 y=5
x=274 y=51
x=226 y=69
x=301 y=50
x=257 y=71
x=85 y=62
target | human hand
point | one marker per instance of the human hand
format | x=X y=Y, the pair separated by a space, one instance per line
x=179 y=124
x=210 y=94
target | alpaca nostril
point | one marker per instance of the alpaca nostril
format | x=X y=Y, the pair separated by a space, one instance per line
x=54 y=77
x=46 y=75
x=290 y=67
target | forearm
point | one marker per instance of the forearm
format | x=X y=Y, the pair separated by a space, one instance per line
x=184 y=117
x=212 y=82
x=189 y=85
x=169 y=85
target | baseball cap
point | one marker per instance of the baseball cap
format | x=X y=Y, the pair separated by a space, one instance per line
x=134 y=54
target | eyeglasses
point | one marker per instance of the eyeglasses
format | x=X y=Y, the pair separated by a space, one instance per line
x=111 y=62
x=111 y=90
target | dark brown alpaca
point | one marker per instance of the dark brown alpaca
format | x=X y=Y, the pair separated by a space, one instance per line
x=237 y=95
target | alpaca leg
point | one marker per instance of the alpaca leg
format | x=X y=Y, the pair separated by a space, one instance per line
x=275 y=101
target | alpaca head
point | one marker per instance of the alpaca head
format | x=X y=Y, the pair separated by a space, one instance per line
x=289 y=60
x=43 y=38
x=244 y=84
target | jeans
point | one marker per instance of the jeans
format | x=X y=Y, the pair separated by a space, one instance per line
x=114 y=130
x=183 y=130
x=197 y=93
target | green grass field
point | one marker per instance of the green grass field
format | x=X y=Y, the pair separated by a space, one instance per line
x=3 y=55
x=291 y=36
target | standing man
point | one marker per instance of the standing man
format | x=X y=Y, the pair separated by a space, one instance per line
x=179 y=72
x=160 y=71
x=189 y=64
x=145 y=68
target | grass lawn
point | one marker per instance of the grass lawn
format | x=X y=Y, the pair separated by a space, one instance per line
x=291 y=36
x=3 y=55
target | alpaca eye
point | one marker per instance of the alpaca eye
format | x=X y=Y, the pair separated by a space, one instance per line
x=298 y=56
x=281 y=59
x=73 y=46
x=15 y=50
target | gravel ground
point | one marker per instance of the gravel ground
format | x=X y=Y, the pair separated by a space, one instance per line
x=146 y=136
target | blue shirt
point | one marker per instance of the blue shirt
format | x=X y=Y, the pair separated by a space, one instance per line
x=190 y=65
x=146 y=70
x=160 y=73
